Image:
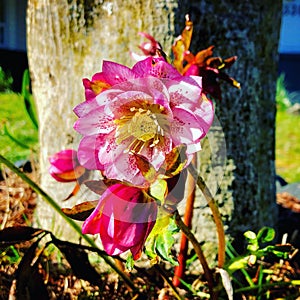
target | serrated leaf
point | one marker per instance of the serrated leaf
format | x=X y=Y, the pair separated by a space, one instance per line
x=150 y=250
x=265 y=234
x=161 y=224
x=80 y=211
x=164 y=244
x=161 y=240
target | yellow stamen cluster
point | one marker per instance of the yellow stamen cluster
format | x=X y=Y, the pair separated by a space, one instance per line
x=146 y=123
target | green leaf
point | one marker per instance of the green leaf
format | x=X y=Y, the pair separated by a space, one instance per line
x=161 y=224
x=237 y=264
x=164 y=244
x=161 y=240
x=250 y=235
x=253 y=248
x=129 y=262
x=165 y=241
x=265 y=234
x=28 y=99
x=281 y=251
x=252 y=240
x=18 y=142
x=150 y=250
x=158 y=189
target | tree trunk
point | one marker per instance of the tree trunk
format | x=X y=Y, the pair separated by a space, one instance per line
x=246 y=177
x=67 y=40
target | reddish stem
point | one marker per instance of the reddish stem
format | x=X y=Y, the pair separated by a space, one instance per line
x=197 y=247
x=188 y=215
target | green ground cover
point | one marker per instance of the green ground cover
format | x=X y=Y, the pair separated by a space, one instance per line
x=13 y=114
x=288 y=146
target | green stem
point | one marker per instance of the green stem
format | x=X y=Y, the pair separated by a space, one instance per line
x=215 y=212
x=57 y=208
x=197 y=247
x=187 y=219
x=168 y=281
x=232 y=254
x=268 y=285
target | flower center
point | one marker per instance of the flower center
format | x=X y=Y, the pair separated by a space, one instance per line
x=146 y=124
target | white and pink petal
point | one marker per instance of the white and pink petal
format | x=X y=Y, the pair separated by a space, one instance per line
x=116 y=73
x=88 y=151
x=185 y=128
x=95 y=122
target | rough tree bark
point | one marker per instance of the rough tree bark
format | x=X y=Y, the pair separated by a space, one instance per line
x=250 y=30
x=67 y=40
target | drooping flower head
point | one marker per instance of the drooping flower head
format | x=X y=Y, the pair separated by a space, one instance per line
x=65 y=167
x=211 y=69
x=203 y=64
x=145 y=111
x=124 y=217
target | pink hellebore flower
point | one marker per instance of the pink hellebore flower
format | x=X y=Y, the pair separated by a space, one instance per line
x=147 y=110
x=65 y=166
x=124 y=217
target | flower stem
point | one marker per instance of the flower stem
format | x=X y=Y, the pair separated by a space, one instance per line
x=74 y=225
x=168 y=281
x=197 y=247
x=215 y=212
x=187 y=219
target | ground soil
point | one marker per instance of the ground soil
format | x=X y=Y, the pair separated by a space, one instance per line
x=61 y=281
